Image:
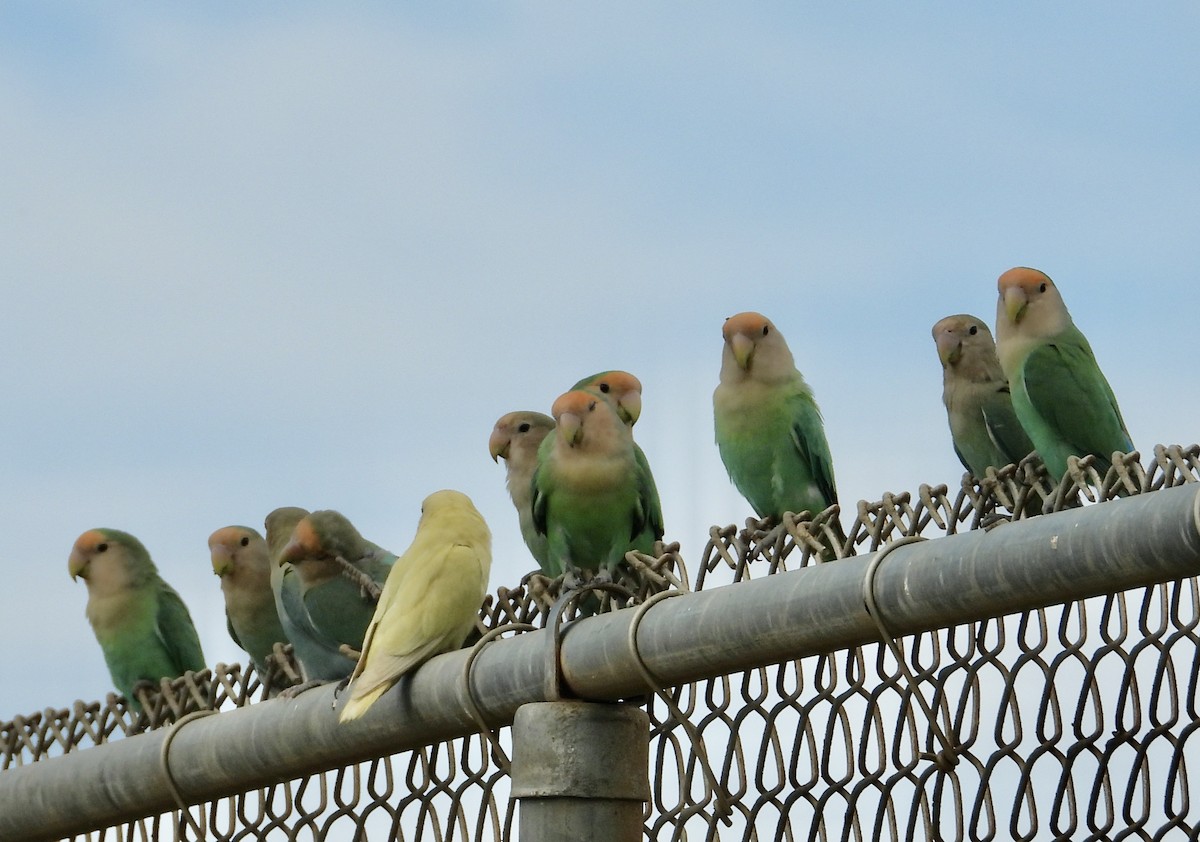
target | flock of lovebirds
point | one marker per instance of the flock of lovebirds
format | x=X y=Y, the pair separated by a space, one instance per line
x=585 y=497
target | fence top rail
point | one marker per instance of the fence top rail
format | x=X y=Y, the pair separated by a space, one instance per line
x=1075 y=553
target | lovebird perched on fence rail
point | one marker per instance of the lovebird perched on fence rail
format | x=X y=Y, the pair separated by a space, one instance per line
x=317 y=653
x=141 y=624
x=516 y=439
x=430 y=600
x=1059 y=394
x=983 y=424
x=592 y=498
x=340 y=575
x=240 y=557
x=768 y=427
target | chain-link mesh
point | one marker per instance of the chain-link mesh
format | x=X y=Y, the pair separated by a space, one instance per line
x=1072 y=722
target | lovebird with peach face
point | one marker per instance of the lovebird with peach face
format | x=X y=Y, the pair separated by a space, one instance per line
x=768 y=428
x=141 y=624
x=624 y=392
x=340 y=609
x=592 y=499
x=1058 y=391
x=318 y=655
x=516 y=439
x=983 y=424
x=240 y=558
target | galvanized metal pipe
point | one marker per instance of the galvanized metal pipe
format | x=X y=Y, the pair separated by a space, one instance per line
x=1047 y=560
x=580 y=771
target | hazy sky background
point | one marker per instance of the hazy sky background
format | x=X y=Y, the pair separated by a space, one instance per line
x=296 y=255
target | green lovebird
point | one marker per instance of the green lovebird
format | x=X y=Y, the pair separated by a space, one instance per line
x=142 y=625
x=1059 y=394
x=515 y=439
x=623 y=392
x=592 y=499
x=430 y=600
x=768 y=427
x=318 y=655
x=340 y=609
x=239 y=556
x=983 y=424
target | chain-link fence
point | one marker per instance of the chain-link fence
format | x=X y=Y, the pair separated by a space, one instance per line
x=1071 y=722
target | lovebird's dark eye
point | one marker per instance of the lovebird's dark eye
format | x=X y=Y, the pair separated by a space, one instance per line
x=604 y=387
x=974 y=330
x=101 y=547
x=524 y=428
x=766 y=330
x=1042 y=288
x=245 y=541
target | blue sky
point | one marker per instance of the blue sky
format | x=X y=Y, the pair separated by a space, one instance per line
x=296 y=255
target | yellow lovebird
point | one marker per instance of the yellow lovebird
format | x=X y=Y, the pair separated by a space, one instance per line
x=429 y=601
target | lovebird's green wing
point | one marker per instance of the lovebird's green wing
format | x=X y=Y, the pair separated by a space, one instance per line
x=1071 y=407
x=175 y=629
x=1004 y=431
x=815 y=464
x=652 y=516
x=985 y=428
x=339 y=611
x=317 y=653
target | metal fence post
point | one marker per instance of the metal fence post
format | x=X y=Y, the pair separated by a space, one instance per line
x=580 y=771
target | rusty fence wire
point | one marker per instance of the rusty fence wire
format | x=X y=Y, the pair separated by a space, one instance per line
x=1071 y=722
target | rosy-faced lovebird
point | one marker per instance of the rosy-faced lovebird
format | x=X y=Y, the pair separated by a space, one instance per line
x=624 y=392
x=142 y=625
x=983 y=425
x=318 y=654
x=768 y=427
x=592 y=498
x=1059 y=394
x=239 y=556
x=340 y=607
x=430 y=600
x=515 y=439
